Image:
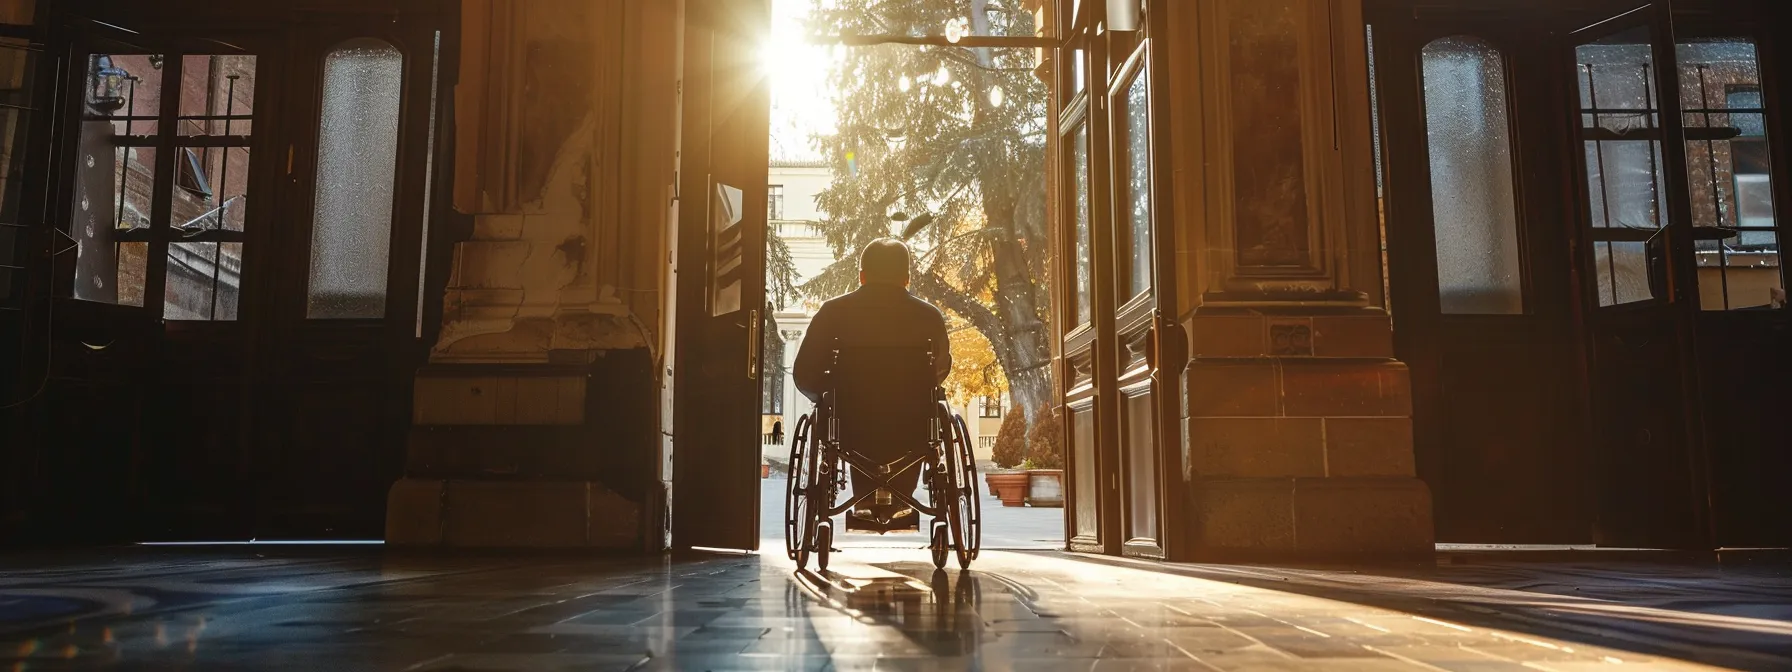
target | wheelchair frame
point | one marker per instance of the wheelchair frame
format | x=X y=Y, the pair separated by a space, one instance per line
x=819 y=469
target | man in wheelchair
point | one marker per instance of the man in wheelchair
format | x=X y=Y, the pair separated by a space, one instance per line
x=862 y=342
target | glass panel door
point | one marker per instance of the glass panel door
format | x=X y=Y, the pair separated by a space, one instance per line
x=1482 y=275
x=1743 y=365
x=1636 y=226
x=1121 y=354
x=358 y=155
x=1143 y=377
x=1085 y=294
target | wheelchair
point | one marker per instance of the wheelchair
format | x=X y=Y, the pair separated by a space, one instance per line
x=883 y=398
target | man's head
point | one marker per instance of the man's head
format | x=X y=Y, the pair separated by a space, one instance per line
x=884 y=262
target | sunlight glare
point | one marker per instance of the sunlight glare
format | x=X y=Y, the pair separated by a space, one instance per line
x=797 y=68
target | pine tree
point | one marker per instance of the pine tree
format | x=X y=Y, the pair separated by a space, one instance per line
x=1045 y=442
x=1011 y=440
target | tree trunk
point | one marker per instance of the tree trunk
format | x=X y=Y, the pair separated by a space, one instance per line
x=1024 y=352
x=1022 y=349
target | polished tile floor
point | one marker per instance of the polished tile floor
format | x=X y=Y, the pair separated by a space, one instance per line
x=341 y=610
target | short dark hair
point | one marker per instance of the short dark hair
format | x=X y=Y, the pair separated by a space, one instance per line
x=884 y=260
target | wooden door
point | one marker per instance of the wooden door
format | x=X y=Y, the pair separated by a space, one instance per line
x=1123 y=354
x=1479 y=235
x=1738 y=186
x=1091 y=518
x=167 y=182
x=720 y=276
x=342 y=341
x=1637 y=278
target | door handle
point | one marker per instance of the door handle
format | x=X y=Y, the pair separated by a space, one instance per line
x=753 y=345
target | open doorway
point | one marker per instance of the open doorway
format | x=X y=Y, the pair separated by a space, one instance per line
x=944 y=147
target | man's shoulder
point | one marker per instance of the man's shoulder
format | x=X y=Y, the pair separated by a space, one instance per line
x=922 y=306
x=881 y=301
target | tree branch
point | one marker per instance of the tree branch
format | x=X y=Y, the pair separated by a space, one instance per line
x=934 y=288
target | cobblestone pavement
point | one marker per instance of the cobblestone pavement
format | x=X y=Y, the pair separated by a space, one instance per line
x=346 y=610
x=1005 y=527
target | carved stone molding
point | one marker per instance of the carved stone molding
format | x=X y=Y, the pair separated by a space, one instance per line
x=1270 y=125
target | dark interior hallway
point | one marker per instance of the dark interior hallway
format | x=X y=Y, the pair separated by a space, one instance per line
x=294 y=608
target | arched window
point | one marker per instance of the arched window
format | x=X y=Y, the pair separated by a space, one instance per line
x=357 y=161
x=1473 y=204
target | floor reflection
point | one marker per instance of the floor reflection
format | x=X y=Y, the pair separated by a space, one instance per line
x=347 y=611
x=939 y=613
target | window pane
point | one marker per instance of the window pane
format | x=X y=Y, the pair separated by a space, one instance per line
x=204 y=280
x=1473 y=210
x=1729 y=176
x=114 y=180
x=1621 y=139
x=1079 y=164
x=1137 y=175
x=357 y=154
x=217 y=94
x=1078 y=78
x=1623 y=272
x=210 y=186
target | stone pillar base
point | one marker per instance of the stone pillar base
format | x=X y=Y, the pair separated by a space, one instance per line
x=1298 y=426
x=1318 y=519
x=530 y=456
x=510 y=514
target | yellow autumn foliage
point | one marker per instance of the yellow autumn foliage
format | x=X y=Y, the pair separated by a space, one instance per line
x=975 y=372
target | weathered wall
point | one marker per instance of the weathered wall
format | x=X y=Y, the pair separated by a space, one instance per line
x=539 y=400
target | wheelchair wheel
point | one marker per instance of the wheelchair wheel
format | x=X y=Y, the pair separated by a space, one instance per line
x=965 y=515
x=824 y=544
x=799 y=523
x=938 y=546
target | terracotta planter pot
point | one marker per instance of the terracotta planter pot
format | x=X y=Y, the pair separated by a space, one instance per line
x=1045 y=487
x=1010 y=487
x=765 y=471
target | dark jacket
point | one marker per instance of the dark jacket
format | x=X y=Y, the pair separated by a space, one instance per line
x=872 y=315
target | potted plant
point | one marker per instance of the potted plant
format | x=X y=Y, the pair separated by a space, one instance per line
x=1045 y=461
x=1006 y=482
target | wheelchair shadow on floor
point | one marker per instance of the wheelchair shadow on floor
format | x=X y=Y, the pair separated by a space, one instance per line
x=939 y=613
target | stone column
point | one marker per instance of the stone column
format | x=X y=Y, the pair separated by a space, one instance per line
x=1298 y=431
x=536 y=419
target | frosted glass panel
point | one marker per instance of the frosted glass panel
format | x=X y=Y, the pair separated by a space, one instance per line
x=1473 y=209
x=357 y=155
x=1079 y=152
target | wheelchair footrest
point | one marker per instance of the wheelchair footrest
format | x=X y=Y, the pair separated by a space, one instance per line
x=866 y=520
